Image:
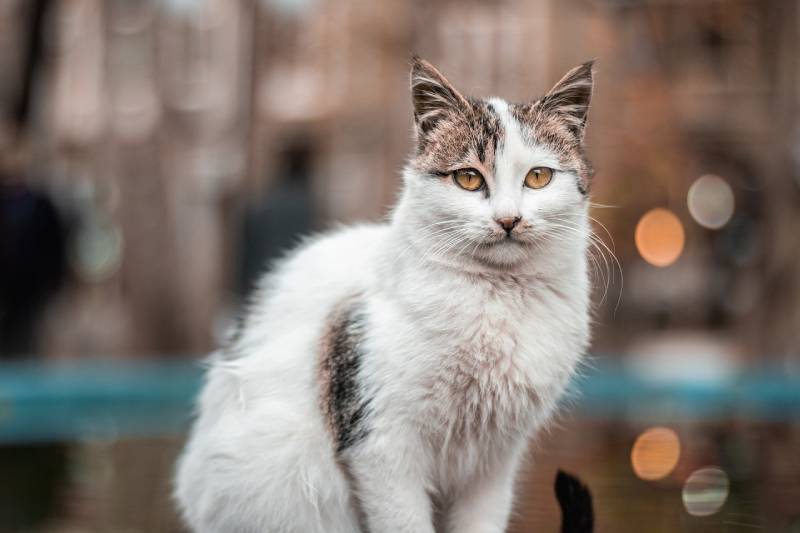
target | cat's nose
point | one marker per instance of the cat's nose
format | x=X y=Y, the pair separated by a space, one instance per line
x=508 y=223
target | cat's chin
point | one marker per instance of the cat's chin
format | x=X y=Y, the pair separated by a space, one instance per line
x=503 y=254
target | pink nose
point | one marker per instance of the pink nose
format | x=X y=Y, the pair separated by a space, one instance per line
x=508 y=223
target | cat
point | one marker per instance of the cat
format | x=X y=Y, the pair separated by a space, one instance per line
x=388 y=377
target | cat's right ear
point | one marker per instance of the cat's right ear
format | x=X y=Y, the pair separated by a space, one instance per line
x=434 y=98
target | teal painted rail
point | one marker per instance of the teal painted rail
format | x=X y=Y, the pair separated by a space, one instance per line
x=95 y=399
x=110 y=399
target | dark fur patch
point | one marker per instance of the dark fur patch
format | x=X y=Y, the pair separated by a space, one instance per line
x=342 y=395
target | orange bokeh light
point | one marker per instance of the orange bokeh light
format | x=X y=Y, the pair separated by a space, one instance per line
x=659 y=237
x=655 y=453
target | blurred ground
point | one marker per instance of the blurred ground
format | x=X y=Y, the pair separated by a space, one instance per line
x=123 y=486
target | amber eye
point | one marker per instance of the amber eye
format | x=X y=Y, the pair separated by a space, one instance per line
x=469 y=179
x=538 y=177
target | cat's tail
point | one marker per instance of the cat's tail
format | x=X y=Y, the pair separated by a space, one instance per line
x=575 y=501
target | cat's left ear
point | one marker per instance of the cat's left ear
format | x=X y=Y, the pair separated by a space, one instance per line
x=434 y=97
x=570 y=98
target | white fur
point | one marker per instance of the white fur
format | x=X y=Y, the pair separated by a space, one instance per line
x=504 y=316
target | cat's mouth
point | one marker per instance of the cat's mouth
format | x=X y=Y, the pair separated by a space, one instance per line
x=507 y=238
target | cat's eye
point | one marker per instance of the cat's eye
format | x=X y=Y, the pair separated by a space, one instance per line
x=469 y=179
x=538 y=177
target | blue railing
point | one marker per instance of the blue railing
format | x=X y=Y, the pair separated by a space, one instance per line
x=110 y=399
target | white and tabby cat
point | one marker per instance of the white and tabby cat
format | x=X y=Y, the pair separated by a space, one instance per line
x=388 y=376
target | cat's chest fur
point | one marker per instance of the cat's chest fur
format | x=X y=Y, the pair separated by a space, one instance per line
x=478 y=361
x=502 y=353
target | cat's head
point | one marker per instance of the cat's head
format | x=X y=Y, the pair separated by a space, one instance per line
x=498 y=183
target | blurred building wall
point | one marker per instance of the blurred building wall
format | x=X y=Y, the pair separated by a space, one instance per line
x=158 y=123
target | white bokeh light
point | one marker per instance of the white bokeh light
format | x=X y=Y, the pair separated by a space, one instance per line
x=710 y=201
x=705 y=491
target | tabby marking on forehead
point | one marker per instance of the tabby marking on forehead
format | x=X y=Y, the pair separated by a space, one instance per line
x=549 y=130
x=464 y=138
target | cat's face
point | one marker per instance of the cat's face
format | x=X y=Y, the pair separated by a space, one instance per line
x=499 y=183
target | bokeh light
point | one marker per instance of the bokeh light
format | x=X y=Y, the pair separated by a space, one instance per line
x=659 y=237
x=96 y=252
x=705 y=491
x=710 y=201
x=655 y=453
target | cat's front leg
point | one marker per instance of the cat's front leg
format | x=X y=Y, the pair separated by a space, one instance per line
x=388 y=481
x=485 y=504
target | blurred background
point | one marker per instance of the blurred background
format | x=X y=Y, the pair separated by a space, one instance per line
x=156 y=154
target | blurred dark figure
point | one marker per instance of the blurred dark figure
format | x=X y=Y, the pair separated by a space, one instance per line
x=285 y=213
x=575 y=501
x=32 y=262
